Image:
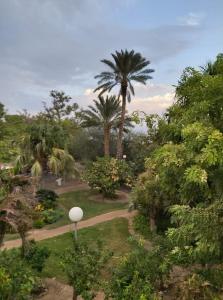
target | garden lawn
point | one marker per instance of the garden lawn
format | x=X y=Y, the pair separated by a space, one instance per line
x=114 y=234
x=82 y=199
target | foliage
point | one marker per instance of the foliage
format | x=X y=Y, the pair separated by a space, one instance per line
x=138 y=275
x=17 y=280
x=50 y=216
x=60 y=106
x=43 y=148
x=107 y=174
x=197 y=238
x=47 y=198
x=136 y=148
x=82 y=264
x=140 y=224
x=36 y=256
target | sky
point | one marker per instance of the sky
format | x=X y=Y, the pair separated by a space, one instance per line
x=58 y=44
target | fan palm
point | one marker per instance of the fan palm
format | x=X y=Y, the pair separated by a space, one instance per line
x=127 y=66
x=105 y=113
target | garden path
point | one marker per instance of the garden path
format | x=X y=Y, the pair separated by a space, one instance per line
x=42 y=234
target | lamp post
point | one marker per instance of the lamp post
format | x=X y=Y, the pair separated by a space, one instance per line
x=75 y=215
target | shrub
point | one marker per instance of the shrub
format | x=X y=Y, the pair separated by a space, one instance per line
x=138 y=275
x=141 y=225
x=51 y=215
x=17 y=279
x=38 y=223
x=36 y=256
x=107 y=174
x=82 y=264
x=47 y=198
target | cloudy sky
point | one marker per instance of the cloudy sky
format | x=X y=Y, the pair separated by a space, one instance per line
x=58 y=44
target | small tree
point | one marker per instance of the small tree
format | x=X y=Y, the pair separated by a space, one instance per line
x=61 y=107
x=107 y=174
x=82 y=264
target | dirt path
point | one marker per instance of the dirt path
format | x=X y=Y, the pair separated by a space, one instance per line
x=42 y=234
x=72 y=188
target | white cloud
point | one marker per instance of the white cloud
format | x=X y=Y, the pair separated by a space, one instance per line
x=192 y=19
x=151 y=98
x=154 y=104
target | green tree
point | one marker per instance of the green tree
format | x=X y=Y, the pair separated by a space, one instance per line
x=128 y=66
x=43 y=148
x=106 y=114
x=60 y=106
x=82 y=264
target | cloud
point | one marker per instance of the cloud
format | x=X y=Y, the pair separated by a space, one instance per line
x=54 y=44
x=155 y=98
x=192 y=19
x=151 y=98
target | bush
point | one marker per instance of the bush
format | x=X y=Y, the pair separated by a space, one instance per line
x=141 y=225
x=38 y=223
x=36 y=256
x=107 y=174
x=47 y=198
x=139 y=275
x=51 y=215
x=17 y=279
x=82 y=264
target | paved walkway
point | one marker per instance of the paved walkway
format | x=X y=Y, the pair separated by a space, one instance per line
x=42 y=234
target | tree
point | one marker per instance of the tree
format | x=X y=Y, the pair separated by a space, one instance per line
x=105 y=113
x=16 y=210
x=128 y=66
x=60 y=106
x=43 y=148
x=82 y=264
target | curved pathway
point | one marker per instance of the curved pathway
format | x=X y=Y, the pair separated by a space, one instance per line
x=42 y=234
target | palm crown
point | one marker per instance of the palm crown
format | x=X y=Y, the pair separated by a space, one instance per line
x=106 y=112
x=127 y=67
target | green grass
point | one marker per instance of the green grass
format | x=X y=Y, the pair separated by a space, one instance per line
x=114 y=235
x=82 y=199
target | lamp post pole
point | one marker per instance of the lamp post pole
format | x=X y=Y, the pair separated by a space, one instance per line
x=75 y=231
x=75 y=215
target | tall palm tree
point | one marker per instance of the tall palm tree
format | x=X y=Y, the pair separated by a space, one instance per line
x=106 y=113
x=127 y=66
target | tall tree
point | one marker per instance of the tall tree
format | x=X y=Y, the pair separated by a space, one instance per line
x=105 y=113
x=127 y=66
x=60 y=106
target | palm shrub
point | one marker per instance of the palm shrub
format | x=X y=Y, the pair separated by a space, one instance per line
x=126 y=67
x=107 y=174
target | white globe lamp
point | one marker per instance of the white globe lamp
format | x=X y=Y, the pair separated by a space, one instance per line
x=75 y=215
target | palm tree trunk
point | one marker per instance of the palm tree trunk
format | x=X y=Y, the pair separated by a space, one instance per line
x=106 y=141
x=122 y=121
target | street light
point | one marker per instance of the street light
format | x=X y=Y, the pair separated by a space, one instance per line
x=75 y=215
